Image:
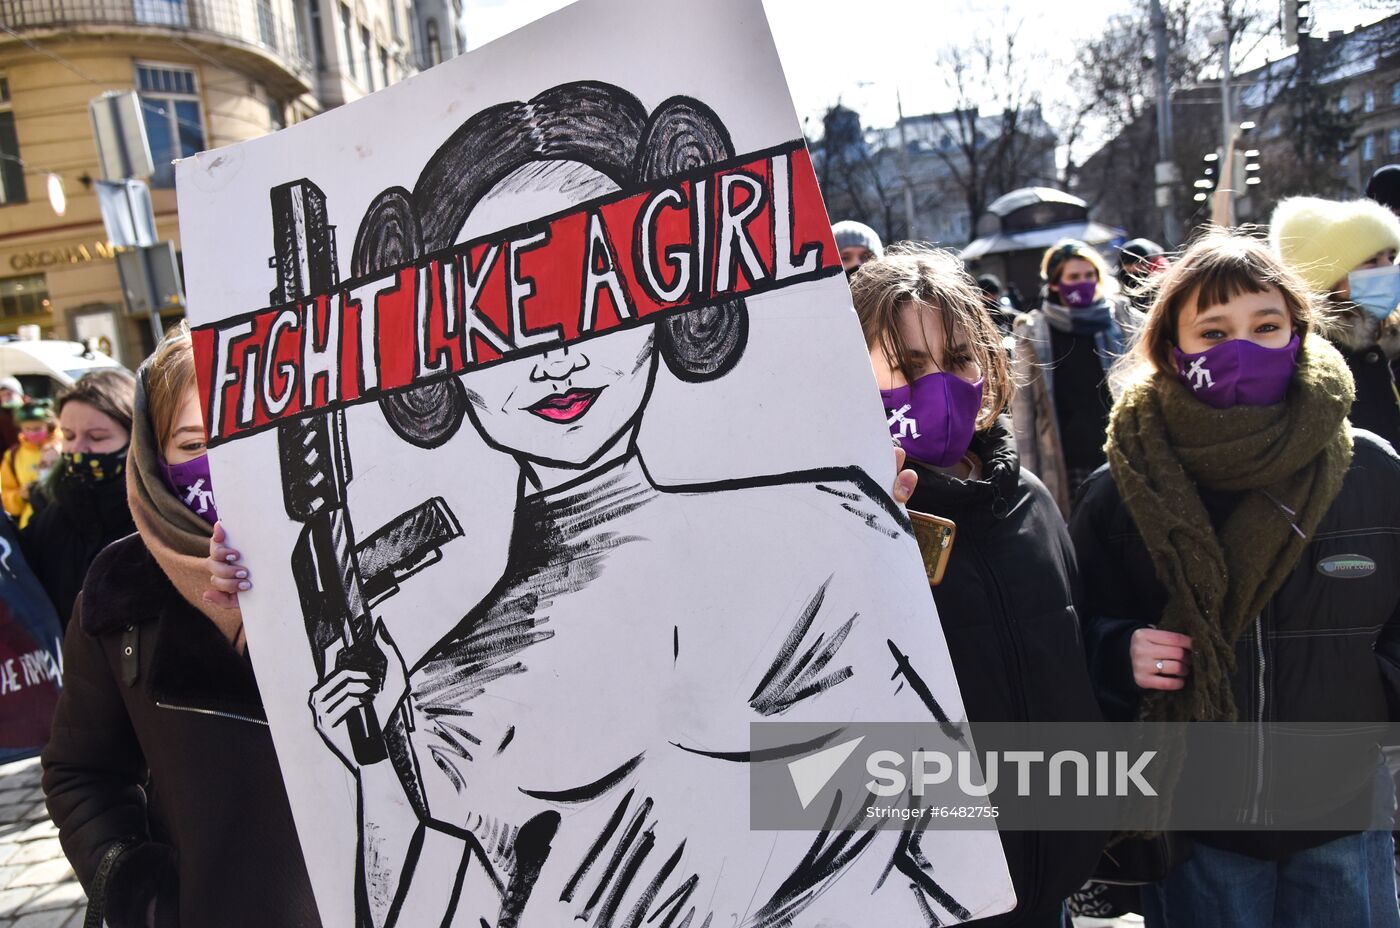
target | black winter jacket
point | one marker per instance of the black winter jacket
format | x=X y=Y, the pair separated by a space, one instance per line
x=167 y=745
x=1376 y=408
x=65 y=534
x=1325 y=649
x=1007 y=605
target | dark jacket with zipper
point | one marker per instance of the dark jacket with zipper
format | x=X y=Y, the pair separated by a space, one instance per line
x=1325 y=649
x=1007 y=605
x=1376 y=408
x=160 y=741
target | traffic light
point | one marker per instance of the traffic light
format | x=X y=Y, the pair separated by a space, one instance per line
x=1210 y=176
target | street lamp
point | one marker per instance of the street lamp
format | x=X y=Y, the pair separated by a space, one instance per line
x=57 y=198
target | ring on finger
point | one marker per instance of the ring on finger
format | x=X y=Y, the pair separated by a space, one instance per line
x=1161 y=665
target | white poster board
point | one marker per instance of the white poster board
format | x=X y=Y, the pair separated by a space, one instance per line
x=540 y=412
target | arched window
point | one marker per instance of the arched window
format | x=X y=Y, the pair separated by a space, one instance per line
x=434 y=43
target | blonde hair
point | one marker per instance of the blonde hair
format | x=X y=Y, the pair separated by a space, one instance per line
x=1216 y=268
x=933 y=280
x=169 y=374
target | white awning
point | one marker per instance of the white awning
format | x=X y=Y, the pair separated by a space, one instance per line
x=1092 y=233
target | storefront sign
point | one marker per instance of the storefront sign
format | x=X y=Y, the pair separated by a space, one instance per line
x=69 y=254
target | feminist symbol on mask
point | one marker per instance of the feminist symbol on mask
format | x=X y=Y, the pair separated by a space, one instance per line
x=205 y=498
x=1199 y=375
x=908 y=428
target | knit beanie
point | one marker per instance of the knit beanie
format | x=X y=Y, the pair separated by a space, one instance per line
x=1384 y=187
x=1324 y=240
x=852 y=234
x=1139 y=249
x=35 y=412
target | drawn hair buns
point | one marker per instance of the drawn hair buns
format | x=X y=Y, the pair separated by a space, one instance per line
x=593 y=123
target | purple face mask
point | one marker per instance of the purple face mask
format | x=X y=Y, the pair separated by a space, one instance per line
x=1077 y=295
x=934 y=417
x=1238 y=372
x=191 y=484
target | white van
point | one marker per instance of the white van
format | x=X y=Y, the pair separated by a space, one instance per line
x=46 y=367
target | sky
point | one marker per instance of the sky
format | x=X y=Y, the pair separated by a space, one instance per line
x=866 y=52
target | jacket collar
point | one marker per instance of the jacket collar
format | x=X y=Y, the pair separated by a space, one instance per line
x=191 y=664
x=1354 y=331
x=980 y=502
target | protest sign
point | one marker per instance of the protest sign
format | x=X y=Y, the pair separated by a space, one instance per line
x=539 y=409
x=30 y=648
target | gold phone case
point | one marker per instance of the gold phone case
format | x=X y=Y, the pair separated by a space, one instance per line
x=935 y=536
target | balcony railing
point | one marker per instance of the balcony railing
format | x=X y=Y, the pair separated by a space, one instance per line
x=270 y=26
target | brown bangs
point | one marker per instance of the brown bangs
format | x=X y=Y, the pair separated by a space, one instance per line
x=1218 y=267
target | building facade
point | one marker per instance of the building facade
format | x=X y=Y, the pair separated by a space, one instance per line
x=440 y=31
x=1317 y=122
x=208 y=73
x=951 y=165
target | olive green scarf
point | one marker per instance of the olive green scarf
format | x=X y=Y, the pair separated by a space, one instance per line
x=1286 y=461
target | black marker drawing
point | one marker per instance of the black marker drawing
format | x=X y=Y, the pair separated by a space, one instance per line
x=573 y=788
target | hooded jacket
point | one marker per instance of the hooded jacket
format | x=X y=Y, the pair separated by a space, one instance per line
x=1326 y=648
x=1370 y=346
x=1007 y=605
x=160 y=754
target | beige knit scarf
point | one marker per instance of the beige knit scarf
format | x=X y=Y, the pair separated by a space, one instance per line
x=176 y=537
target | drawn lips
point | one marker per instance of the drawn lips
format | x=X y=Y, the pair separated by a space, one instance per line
x=565 y=407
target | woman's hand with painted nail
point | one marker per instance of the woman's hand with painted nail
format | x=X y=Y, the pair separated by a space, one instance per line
x=227 y=577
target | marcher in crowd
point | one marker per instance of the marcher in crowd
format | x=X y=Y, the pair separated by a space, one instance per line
x=857 y=244
x=1232 y=475
x=1346 y=251
x=82 y=508
x=1063 y=353
x=160 y=773
x=998 y=306
x=11 y=399
x=1006 y=599
x=29 y=460
x=1384 y=187
x=1013 y=296
x=1138 y=260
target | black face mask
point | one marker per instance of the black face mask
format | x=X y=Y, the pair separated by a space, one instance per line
x=87 y=469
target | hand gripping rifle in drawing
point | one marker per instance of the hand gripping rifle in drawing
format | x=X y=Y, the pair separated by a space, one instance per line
x=339 y=581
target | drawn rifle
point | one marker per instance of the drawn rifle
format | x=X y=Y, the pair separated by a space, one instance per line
x=338 y=580
x=315 y=465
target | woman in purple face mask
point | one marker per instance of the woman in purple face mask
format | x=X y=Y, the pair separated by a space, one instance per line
x=160 y=772
x=1241 y=563
x=1007 y=590
x=1064 y=350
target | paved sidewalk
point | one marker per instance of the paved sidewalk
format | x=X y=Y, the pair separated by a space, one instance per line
x=37 y=887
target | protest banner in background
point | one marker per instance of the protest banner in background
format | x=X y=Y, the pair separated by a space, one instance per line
x=31 y=645
x=539 y=410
